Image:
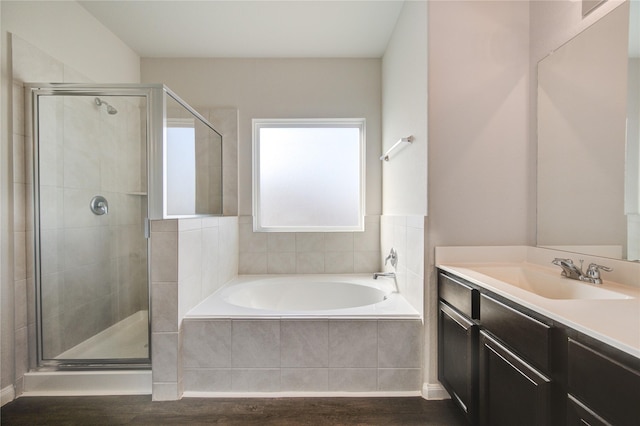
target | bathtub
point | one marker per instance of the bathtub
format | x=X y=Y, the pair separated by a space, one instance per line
x=306 y=296
x=306 y=335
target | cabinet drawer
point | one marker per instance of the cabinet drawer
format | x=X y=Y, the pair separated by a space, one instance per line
x=580 y=415
x=459 y=295
x=610 y=388
x=524 y=334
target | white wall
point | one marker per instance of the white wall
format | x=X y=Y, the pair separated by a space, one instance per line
x=553 y=23
x=404 y=113
x=479 y=149
x=61 y=36
x=480 y=174
x=67 y=32
x=404 y=183
x=281 y=88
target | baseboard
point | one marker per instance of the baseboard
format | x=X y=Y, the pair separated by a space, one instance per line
x=328 y=394
x=434 y=391
x=7 y=394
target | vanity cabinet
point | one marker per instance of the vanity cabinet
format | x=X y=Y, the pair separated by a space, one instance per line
x=505 y=364
x=490 y=357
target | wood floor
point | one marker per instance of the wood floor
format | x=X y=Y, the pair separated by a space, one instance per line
x=139 y=410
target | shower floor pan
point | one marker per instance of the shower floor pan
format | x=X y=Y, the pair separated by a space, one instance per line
x=128 y=338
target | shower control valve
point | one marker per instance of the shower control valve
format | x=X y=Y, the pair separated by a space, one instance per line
x=99 y=205
x=393 y=257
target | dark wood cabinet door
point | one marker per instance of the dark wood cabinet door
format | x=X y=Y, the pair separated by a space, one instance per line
x=457 y=359
x=512 y=392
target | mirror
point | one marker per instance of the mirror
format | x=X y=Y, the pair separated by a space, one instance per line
x=588 y=140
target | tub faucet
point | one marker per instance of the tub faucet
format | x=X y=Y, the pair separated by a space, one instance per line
x=388 y=275
x=384 y=274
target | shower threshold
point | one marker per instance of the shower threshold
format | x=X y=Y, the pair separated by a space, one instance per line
x=85 y=383
x=127 y=339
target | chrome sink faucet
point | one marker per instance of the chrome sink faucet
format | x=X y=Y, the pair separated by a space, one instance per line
x=570 y=270
x=593 y=273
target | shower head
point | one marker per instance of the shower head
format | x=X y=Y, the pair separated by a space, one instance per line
x=110 y=110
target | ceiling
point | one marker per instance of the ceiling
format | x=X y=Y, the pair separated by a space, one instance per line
x=250 y=29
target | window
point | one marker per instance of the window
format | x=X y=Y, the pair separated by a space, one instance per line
x=308 y=175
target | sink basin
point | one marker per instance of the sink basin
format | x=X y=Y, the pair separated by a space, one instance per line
x=546 y=284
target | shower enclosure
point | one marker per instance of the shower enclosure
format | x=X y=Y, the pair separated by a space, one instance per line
x=107 y=159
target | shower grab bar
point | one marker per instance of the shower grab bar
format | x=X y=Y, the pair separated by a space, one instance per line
x=407 y=140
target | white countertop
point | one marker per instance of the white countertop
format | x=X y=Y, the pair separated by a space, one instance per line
x=613 y=321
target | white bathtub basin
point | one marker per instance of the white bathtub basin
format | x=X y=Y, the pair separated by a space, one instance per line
x=294 y=294
x=547 y=284
x=344 y=296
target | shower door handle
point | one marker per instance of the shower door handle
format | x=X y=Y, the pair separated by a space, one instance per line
x=99 y=205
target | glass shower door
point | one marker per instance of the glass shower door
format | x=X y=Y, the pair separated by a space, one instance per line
x=91 y=209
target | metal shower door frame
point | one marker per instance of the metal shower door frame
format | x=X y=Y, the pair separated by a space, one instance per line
x=154 y=95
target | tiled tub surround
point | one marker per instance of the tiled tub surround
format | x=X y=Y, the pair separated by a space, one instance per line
x=341 y=252
x=302 y=356
x=309 y=252
x=406 y=234
x=368 y=348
